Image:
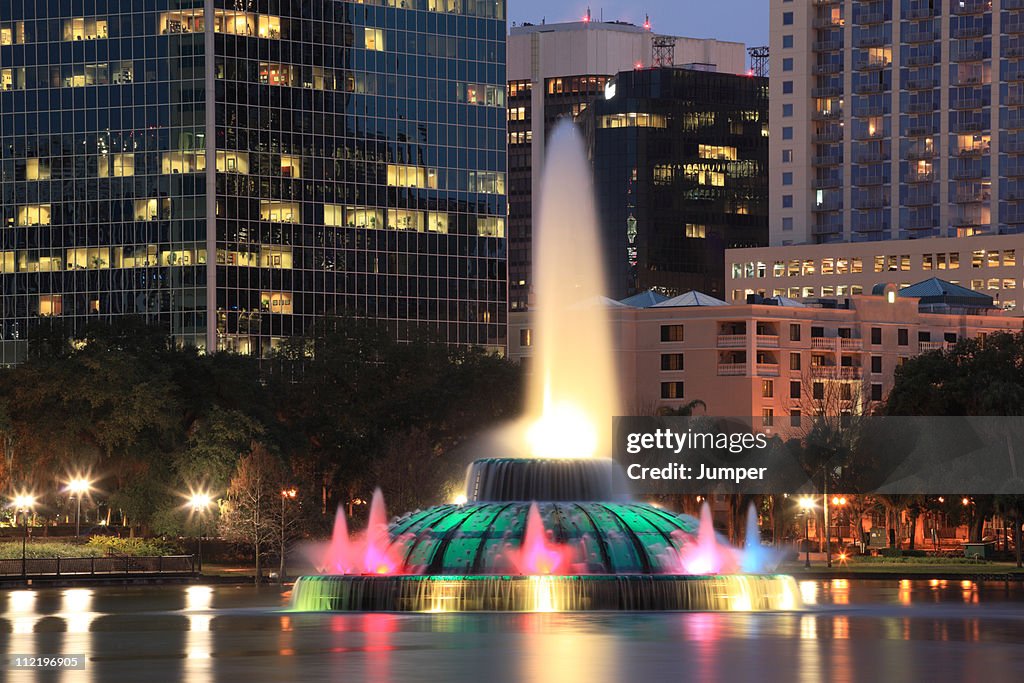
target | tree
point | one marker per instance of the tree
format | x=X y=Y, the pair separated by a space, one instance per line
x=252 y=500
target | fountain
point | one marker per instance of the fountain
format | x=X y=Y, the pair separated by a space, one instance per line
x=546 y=532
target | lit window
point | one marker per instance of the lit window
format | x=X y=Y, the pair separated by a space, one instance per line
x=116 y=165
x=232 y=162
x=716 y=152
x=487 y=182
x=50 y=304
x=696 y=231
x=291 y=166
x=276 y=302
x=81 y=28
x=490 y=226
x=400 y=175
x=404 y=219
x=374 y=39
x=280 y=212
x=33 y=214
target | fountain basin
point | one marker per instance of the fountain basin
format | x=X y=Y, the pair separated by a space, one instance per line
x=627 y=592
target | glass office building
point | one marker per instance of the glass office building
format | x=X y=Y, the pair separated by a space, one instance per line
x=232 y=170
x=680 y=162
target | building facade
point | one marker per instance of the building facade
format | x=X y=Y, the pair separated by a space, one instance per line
x=680 y=160
x=896 y=119
x=780 y=358
x=233 y=171
x=556 y=70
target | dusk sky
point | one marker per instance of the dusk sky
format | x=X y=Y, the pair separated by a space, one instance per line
x=742 y=20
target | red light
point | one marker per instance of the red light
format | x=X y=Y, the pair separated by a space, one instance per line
x=639 y=65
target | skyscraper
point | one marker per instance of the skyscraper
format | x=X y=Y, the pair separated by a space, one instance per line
x=680 y=161
x=896 y=119
x=556 y=70
x=233 y=170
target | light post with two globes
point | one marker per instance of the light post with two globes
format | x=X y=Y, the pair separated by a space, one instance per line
x=79 y=487
x=807 y=504
x=23 y=502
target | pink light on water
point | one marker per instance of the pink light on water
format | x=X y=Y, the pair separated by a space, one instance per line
x=705 y=555
x=368 y=552
x=538 y=554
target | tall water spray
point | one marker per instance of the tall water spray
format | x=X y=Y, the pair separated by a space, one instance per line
x=573 y=392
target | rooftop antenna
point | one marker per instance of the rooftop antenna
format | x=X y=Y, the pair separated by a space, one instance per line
x=586 y=19
x=647 y=22
x=758 y=60
x=664 y=50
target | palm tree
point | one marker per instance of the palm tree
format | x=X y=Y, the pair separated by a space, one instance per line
x=685 y=410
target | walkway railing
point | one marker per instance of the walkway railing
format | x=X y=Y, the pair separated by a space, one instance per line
x=97 y=566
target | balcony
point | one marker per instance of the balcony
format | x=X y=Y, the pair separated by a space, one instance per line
x=870 y=157
x=828 y=136
x=921 y=107
x=850 y=344
x=968 y=56
x=926 y=36
x=921 y=83
x=834 y=228
x=967 y=32
x=869 y=88
x=971 y=197
x=973 y=172
x=765 y=369
x=826 y=183
x=867 y=18
x=828 y=115
x=823 y=343
x=966 y=103
x=869 y=41
x=921 y=60
x=871 y=112
x=926 y=346
x=920 y=154
x=917 y=223
x=1015 y=99
x=768 y=341
x=827 y=45
x=971 y=152
x=827 y=91
x=824 y=3
x=1013 y=4
x=919 y=177
x=920 y=13
x=919 y=131
x=732 y=341
x=1014 y=122
x=1013 y=147
x=967 y=127
x=1014 y=27
x=828 y=160
x=829 y=22
x=833 y=68
x=869 y=180
x=732 y=369
x=833 y=372
x=1014 y=51
x=970 y=6
x=871 y=64
x=871 y=203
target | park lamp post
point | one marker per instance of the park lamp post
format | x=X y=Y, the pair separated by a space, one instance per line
x=79 y=487
x=807 y=504
x=24 y=503
x=286 y=495
x=200 y=503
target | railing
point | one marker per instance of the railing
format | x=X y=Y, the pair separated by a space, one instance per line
x=834 y=372
x=828 y=343
x=850 y=344
x=927 y=346
x=768 y=341
x=767 y=370
x=98 y=566
x=732 y=341
x=732 y=369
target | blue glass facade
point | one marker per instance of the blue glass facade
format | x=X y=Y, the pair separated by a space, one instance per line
x=233 y=170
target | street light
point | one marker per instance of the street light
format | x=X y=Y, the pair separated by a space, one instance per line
x=23 y=502
x=837 y=502
x=79 y=487
x=286 y=495
x=200 y=502
x=807 y=504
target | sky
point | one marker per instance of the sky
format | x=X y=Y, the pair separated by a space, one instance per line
x=745 y=21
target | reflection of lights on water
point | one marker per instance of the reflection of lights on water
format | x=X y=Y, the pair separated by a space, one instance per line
x=840 y=628
x=808 y=628
x=904 y=593
x=21 y=606
x=840 y=592
x=543 y=598
x=198 y=598
x=809 y=592
x=77 y=609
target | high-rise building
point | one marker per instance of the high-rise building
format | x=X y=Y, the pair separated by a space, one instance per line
x=234 y=170
x=896 y=119
x=680 y=159
x=556 y=70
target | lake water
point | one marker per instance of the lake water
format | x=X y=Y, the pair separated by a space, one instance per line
x=851 y=631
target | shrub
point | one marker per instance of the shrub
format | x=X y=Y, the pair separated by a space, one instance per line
x=109 y=545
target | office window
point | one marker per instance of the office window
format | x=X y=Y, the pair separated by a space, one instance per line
x=671 y=390
x=671 y=361
x=671 y=333
x=374 y=39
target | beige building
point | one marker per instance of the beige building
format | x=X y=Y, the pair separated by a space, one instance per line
x=991 y=264
x=781 y=357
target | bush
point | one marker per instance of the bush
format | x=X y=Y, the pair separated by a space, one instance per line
x=108 y=545
x=11 y=550
x=896 y=552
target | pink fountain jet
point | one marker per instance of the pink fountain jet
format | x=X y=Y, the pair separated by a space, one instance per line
x=538 y=555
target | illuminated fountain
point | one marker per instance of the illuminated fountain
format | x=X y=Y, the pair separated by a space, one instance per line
x=547 y=533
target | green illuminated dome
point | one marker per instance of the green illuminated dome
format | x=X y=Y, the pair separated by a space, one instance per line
x=610 y=538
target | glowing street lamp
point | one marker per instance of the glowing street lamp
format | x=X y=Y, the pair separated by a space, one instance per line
x=806 y=504
x=23 y=502
x=200 y=503
x=79 y=487
x=286 y=495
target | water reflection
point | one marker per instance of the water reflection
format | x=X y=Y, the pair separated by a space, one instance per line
x=919 y=628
